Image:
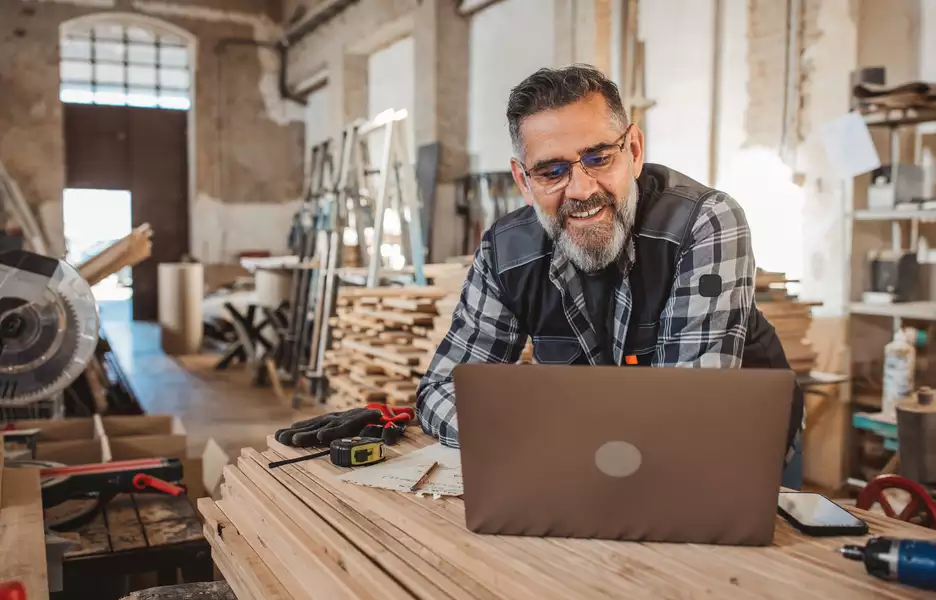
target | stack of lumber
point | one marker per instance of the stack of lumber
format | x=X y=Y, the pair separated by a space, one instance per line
x=125 y=252
x=380 y=339
x=300 y=532
x=789 y=317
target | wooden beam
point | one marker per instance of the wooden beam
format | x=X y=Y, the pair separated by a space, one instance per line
x=22 y=534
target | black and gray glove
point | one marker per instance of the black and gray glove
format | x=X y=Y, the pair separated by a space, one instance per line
x=324 y=429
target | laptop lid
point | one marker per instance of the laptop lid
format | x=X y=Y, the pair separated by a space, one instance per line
x=651 y=454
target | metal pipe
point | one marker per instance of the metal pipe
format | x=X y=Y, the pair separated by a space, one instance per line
x=790 y=103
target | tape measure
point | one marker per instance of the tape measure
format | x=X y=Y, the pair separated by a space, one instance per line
x=356 y=451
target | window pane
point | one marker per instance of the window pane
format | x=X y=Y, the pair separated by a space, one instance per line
x=109 y=51
x=108 y=73
x=76 y=93
x=174 y=101
x=73 y=70
x=142 y=54
x=108 y=31
x=171 y=40
x=142 y=96
x=109 y=94
x=72 y=48
x=173 y=57
x=174 y=78
x=138 y=34
x=141 y=76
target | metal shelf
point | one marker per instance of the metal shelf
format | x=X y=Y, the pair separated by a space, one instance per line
x=894 y=215
x=895 y=117
x=924 y=311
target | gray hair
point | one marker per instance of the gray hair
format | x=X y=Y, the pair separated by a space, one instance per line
x=554 y=88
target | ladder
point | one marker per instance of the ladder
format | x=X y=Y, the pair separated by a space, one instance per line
x=357 y=196
x=11 y=198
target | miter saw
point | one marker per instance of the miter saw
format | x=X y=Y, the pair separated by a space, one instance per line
x=48 y=326
x=48 y=333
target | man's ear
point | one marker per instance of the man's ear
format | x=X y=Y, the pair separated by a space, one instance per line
x=516 y=169
x=635 y=147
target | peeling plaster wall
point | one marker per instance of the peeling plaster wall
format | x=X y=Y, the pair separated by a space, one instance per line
x=248 y=142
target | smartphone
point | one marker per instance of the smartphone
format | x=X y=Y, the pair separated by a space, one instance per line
x=814 y=514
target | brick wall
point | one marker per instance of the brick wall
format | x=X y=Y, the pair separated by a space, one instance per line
x=246 y=149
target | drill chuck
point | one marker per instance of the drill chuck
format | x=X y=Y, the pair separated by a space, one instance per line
x=912 y=562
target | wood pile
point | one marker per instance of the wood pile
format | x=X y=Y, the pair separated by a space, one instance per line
x=790 y=317
x=381 y=344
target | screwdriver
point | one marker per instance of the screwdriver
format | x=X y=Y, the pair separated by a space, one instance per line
x=911 y=562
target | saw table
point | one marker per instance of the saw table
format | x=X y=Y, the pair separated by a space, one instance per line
x=283 y=533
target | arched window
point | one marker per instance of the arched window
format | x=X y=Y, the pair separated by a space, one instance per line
x=125 y=62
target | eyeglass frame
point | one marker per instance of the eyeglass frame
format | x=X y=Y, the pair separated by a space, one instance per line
x=568 y=180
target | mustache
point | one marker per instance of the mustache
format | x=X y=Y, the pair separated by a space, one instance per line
x=595 y=200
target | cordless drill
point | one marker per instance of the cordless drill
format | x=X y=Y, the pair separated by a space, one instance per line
x=911 y=562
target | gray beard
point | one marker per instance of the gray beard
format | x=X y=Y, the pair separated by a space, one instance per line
x=600 y=253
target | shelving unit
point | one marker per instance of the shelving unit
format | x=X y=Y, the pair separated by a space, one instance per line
x=871 y=326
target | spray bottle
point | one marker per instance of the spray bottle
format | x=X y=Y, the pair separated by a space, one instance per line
x=899 y=371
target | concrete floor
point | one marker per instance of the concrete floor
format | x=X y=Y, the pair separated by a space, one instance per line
x=223 y=405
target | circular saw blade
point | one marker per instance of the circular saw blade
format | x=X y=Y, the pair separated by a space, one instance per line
x=48 y=326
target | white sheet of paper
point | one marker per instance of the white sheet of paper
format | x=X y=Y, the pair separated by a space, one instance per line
x=402 y=472
x=849 y=145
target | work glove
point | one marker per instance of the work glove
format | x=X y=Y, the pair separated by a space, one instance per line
x=324 y=429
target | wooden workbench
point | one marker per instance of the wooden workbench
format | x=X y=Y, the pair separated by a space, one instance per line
x=135 y=533
x=299 y=532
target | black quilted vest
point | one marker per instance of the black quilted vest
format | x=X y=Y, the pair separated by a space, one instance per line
x=668 y=206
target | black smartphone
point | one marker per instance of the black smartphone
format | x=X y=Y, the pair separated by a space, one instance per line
x=814 y=514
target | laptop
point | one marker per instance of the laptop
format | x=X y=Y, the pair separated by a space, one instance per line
x=648 y=454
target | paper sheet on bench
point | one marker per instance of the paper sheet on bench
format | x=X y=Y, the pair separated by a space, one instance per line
x=401 y=472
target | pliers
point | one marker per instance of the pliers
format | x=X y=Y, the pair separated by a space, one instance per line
x=392 y=424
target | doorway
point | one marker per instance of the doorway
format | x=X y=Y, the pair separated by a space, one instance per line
x=95 y=219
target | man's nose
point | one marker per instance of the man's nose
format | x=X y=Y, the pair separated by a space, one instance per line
x=581 y=185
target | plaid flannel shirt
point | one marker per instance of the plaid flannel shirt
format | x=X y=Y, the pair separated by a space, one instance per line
x=695 y=331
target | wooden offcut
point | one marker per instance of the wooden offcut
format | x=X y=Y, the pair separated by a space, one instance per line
x=128 y=251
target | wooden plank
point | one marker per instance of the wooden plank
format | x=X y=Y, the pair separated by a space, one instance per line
x=504 y=575
x=418 y=305
x=594 y=568
x=307 y=558
x=393 y=292
x=257 y=577
x=273 y=562
x=358 y=566
x=383 y=353
x=399 y=318
x=22 y=535
x=123 y=524
x=446 y=575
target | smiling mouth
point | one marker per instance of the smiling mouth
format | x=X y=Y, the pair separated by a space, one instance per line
x=586 y=213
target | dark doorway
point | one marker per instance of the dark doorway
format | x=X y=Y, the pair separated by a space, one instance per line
x=144 y=151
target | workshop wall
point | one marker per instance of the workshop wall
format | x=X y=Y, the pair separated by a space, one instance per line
x=248 y=142
x=502 y=55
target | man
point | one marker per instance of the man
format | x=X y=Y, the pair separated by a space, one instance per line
x=614 y=261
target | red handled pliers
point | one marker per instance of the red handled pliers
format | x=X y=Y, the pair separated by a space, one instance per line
x=392 y=424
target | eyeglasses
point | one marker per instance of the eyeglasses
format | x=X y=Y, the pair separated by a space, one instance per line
x=556 y=175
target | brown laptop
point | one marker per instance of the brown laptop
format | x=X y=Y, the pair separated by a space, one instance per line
x=650 y=454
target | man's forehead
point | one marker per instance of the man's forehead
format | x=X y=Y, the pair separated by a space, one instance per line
x=562 y=133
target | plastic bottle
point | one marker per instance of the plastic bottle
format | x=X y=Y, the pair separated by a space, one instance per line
x=899 y=370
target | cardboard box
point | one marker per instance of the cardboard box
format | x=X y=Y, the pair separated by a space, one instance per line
x=59 y=430
x=145 y=436
x=73 y=452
